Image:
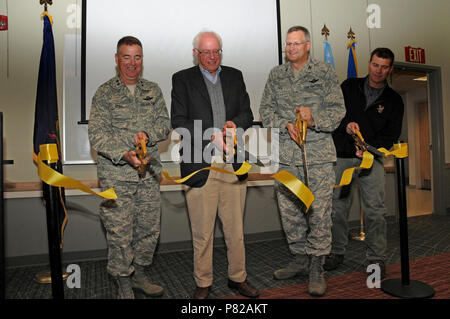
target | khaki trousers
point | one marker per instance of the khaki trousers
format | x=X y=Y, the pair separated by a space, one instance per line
x=222 y=195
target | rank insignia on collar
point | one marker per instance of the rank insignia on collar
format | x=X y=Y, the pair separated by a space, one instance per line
x=380 y=108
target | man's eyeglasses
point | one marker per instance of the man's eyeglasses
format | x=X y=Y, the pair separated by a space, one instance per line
x=208 y=52
x=295 y=44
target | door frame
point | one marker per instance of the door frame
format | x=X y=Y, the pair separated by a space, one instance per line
x=423 y=165
x=436 y=115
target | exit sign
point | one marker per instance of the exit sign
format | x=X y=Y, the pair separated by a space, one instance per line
x=415 y=55
x=3 y=22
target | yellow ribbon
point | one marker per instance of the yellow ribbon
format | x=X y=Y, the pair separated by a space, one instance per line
x=286 y=178
x=295 y=186
x=400 y=151
x=348 y=173
x=245 y=168
x=49 y=152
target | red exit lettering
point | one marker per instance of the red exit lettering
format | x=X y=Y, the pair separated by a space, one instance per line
x=414 y=55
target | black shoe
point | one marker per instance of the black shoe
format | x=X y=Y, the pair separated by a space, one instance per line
x=333 y=261
x=382 y=266
x=201 y=292
x=244 y=288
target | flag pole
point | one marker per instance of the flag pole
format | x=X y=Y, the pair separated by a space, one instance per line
x=352 y=68
x=325 y=32
x=362 y=235
x=46 y=132
x=404 y=287
x=51 y=197
x=327 y=52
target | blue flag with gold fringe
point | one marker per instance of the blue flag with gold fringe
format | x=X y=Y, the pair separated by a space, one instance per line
x=352 y=69
x=328 y=54
x=46 y=124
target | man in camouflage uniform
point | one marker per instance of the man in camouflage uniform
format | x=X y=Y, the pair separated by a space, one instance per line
x=125 y=110
x=309 y=87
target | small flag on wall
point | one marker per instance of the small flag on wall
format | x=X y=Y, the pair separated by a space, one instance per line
x=328 y=54
x=352 y=69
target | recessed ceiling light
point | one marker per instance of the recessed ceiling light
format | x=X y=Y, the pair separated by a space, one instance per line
x=423 y=78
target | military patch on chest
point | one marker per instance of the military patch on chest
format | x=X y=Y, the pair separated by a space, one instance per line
x=148 y=100
x=380 y=108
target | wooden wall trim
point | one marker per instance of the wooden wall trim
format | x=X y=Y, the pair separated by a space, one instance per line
x=36 y=186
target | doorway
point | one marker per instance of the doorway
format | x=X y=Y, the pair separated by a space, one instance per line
x=421 y=89
x=413 y=87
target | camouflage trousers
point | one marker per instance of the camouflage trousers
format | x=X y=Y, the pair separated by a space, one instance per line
x=132 y=223
x=308 y=233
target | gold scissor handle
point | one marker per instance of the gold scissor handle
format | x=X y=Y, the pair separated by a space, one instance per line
x=234 y=139
x=141 y=150
x=302 y=128
x=359 y=141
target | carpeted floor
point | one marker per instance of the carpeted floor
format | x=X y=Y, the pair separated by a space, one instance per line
x=429 y=248
x=432 y=271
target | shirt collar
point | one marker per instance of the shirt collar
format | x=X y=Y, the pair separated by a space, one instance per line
x=306 y=68
x=209 y=76
x=119 y=82
x=367 y=85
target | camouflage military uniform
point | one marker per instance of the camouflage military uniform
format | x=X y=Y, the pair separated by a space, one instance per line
x=315 y=86
x=132 y=221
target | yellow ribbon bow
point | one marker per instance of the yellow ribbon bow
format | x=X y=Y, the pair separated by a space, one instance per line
x=400 y=151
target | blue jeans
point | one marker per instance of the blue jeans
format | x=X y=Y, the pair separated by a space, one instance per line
x=372 y=186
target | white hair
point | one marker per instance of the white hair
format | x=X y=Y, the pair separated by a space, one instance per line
x=197 y=38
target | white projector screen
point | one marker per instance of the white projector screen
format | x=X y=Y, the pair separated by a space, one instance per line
x=249 y=30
